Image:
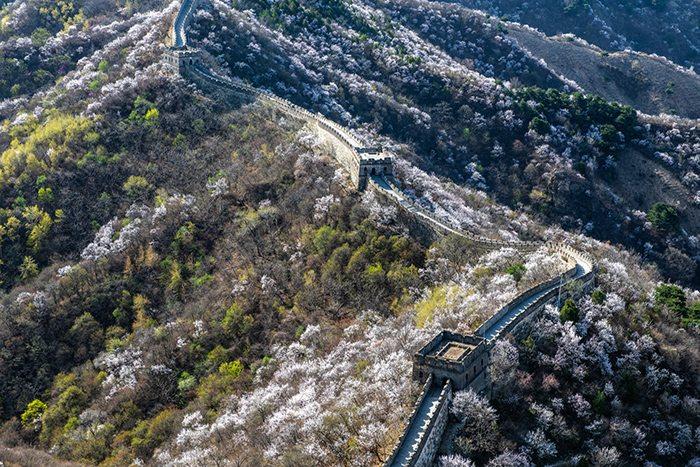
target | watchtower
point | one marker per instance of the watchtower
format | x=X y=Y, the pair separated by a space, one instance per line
x=373 y=162
x=182 y=59
x=462 y=359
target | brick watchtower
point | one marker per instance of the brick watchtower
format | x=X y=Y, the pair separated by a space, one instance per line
x=462 y=359
x=182 y=59
x=373 y=161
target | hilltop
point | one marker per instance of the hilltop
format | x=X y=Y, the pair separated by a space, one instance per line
x=666 y=28
x=651 y=84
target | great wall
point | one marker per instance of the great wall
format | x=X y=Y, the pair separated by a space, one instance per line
x=450 y=361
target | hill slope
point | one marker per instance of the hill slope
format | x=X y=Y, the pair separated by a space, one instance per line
x=418 y=73
x=650 y=84
x=188 y=279
x=665 y=28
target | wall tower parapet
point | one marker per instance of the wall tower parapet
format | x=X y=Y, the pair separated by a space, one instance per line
x=183 y=60
x=449 y=356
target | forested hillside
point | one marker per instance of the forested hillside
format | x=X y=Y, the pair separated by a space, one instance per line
x=666 y=28
x=649 y=83
x=419 y=75
x=190 y=279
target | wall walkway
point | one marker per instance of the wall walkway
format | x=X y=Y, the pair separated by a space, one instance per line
x=421 y=438
x=525 y=306
x=179 y=27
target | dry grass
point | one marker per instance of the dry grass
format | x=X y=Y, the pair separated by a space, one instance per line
x=18 y=456
x=644 y=82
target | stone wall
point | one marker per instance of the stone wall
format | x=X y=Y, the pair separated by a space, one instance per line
x=359 y=160
x=178 y=30
x=577 y=280
x=428 y=447
x=427 y=385
x=424 y=453
x=363 y=163
x=341 y=151
x=182 y=61
x=549 y=284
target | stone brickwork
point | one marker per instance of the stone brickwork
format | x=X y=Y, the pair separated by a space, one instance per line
x=461 y=359
x=182 y=61
x=373 y=163
x=178 y=30
x=420 y=441
x=430 y=443
x=361 y=161
x=449 y=360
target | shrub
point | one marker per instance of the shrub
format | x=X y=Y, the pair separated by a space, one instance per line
x=149 y=434
x=87 y=336
x=28 y=269
x=215 y=387
x=186 y=382
x=517 y=271
x=216 y=357
x=69 y=404
x=40 y=36
x=45 y=195
x=231 y=369
x=692 y=317
x=136 y=186
x=32 y=414
x=426 y=308
x=598 y=297
x=402 y=277
x=151 y=116
x=663 y=217
x=599 y=403
x=325 y=239
x=235 y=323
x=540 y=125
x=569 y=312
x=671 y=297
x=609 y=137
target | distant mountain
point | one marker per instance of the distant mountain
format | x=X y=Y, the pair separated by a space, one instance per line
x=667 y=28
x=649 y=83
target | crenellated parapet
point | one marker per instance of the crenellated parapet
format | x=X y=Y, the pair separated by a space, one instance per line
x=183 y=61
x=420 y=441
x=178 y=29
x=360 y=160
x=449 y=356
x=374 y=162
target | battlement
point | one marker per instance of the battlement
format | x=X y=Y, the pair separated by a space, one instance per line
x=182 y=59
x=369 y=150
x=458 y=358
x=373 y=162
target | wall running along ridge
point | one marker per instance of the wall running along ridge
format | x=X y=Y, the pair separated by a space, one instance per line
x=358 y=159
x=369 y=166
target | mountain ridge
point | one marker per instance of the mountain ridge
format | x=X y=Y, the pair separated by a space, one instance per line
x=189 y=280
